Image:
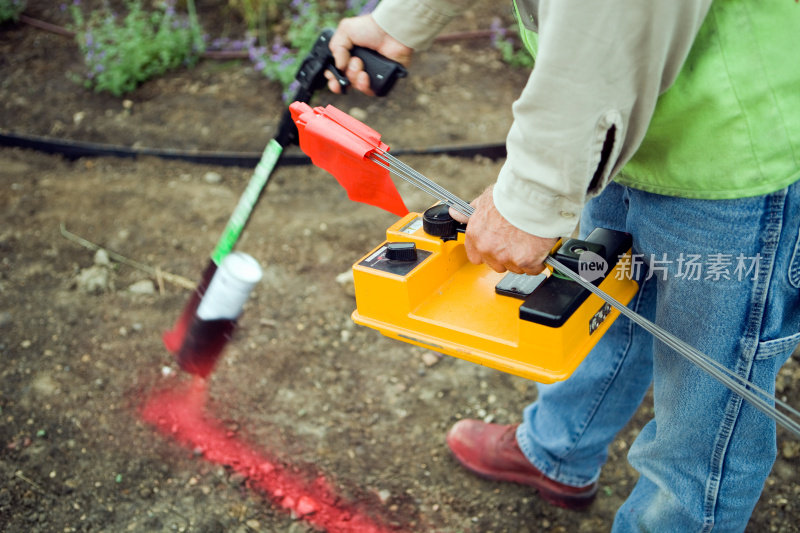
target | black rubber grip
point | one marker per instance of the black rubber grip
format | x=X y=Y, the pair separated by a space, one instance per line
x=383 y=72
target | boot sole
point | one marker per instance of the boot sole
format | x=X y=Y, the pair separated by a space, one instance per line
x=574 y=502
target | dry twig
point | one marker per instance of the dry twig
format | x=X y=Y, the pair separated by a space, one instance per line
x=156 y=272
x=29 y=481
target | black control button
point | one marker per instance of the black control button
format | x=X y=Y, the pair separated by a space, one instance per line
x=401 y=251
x=437 y=221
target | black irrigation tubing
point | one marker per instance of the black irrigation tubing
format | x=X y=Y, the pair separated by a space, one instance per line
x=242 y=54
x=72 y=150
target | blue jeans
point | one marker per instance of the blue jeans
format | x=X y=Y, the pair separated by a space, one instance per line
x=704 y=457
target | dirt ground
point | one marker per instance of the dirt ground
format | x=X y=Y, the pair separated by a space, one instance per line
x=80 y=336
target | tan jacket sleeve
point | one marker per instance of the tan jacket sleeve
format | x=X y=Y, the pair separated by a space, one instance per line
x=599 y=64
x=415 y=23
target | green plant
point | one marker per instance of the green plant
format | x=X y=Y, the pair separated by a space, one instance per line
x=511 y=52
x=259 y=15
x=306 y=18
x=11 y=9
x=122 y=51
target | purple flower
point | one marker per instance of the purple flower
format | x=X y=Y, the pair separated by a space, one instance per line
x=368 y=7
x=497 y=29
x=256 y=53
x=290 y=90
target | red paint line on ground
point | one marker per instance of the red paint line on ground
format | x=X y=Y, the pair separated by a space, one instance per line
x=179 y=413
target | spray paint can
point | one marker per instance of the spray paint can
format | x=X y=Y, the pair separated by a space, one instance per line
x=215 y=319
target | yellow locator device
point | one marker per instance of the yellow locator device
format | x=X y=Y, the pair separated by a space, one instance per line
x=419 y=287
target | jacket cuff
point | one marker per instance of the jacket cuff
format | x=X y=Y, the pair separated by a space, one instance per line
x=533 y=208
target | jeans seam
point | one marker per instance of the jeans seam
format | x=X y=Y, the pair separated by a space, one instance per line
x=771 y=348
x=794 y=265
x=623 y=355
x=745 y=364
x=607 y=383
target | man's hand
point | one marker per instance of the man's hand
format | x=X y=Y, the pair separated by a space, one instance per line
x=362 y=31
x=491 y=239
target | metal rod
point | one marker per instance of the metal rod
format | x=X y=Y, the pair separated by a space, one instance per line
x=758 y=398
x=734 y=382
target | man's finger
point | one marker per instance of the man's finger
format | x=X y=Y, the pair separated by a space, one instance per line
x=358 y=77
x=458 y=217
x=494 y=265
x=531 y=270
x=333 y=84
x=354 y=64
x=340 y=46
x=473 y=255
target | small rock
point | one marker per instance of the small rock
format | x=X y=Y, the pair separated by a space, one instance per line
x=237 y=478
x=118 y=241
x=101 y=258
x=306 y=506
x=429 y=359
x=5 y=318
x=253 y=524
x=384 y=495
x=345 y=279
x=144 y=286
x=44 y=385
x=790 y=449
x=94 y=280
x=212 y=177
x=359 y=113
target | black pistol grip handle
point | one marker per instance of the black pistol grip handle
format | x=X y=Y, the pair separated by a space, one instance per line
x=383 y=72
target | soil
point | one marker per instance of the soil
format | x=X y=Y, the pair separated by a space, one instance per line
x=80 y=335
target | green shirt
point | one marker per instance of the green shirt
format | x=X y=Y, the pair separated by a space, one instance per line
x=691 y=98
x=729 y=127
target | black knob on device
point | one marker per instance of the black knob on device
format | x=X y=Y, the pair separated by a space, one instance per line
x=401 y=251
x=437 y=221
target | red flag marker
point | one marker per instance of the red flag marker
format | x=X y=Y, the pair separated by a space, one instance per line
x=340 y=144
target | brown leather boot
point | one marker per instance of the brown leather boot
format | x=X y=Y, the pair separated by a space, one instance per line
x=491 y=451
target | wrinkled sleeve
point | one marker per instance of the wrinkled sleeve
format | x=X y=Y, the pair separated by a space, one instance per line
x=415 y=23
x=585 y=109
